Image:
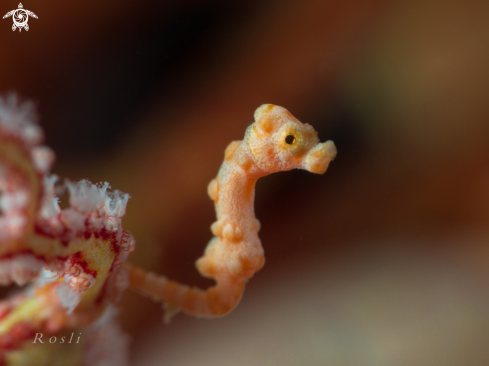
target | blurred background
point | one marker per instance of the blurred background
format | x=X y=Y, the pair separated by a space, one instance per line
x=384 y=260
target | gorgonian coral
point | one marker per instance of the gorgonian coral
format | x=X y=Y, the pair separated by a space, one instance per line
x=75 y=254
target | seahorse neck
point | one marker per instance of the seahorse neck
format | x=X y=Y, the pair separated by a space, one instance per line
x=237 y=193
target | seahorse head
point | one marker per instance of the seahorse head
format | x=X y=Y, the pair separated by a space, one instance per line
x=279 y=142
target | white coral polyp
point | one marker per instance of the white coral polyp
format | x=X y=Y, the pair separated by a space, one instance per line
x=15 y=200
x=20 y=269
x=19 y=120
x=75 y=282
x=47 y=276
x=74 y=270
x=86 y=197
x=115 y=204
x=25 y=267
x=91 y=205
x=49 y=209
x=43 y=158
x=82 y=282
x=12 y=225
x=68 y=297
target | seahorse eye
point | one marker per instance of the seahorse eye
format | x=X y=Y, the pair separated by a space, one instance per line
x=290 y=139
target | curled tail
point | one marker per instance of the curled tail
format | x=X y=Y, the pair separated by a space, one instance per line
x=215 y=301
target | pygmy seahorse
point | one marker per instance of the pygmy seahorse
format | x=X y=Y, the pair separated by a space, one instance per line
x=275 y=142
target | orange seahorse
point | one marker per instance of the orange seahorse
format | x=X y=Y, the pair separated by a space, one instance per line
x=275 y=142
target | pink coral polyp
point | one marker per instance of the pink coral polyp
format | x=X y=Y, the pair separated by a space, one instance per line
x=75 y=253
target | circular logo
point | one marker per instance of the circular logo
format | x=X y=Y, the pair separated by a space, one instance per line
x=20 y=18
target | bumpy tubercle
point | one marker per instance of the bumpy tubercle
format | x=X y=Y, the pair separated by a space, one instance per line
x=275 y=142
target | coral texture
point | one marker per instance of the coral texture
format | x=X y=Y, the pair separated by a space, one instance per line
x=75 y=254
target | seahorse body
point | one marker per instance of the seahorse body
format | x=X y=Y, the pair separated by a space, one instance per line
x=275 y=142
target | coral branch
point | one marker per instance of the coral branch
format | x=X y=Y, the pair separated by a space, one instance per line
x=75 y=254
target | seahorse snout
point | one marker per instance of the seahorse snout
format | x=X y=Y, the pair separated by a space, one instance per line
x=317 y=160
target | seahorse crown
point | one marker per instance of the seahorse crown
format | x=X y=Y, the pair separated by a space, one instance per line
x=279 y=142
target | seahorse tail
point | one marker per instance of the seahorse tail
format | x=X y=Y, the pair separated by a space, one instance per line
x=215 y=301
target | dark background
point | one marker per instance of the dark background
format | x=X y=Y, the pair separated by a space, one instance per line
x=381 y=261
